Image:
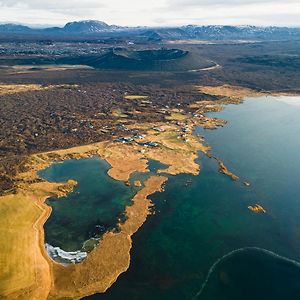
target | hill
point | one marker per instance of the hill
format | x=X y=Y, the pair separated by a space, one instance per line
x=145 y=60
x=91 y=26
x=96 y=29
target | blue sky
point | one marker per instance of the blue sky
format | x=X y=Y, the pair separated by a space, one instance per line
x=154 y=12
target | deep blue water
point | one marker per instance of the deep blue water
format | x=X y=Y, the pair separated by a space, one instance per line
x=203 y=242
x=195 y=227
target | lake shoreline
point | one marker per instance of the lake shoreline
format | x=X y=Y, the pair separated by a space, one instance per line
x=177 y=148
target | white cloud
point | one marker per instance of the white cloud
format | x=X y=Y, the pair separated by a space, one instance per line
x=154 y=12
x=52 y=4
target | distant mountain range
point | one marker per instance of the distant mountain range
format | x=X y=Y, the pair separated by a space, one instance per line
x=98 y=29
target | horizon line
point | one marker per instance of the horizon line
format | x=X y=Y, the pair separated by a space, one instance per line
x=61 y=25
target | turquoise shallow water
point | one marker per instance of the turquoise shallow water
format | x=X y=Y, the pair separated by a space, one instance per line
x=203 y=242
x=197 y=226
x=93 y=207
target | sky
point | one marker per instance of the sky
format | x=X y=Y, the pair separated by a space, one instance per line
x=153 y=12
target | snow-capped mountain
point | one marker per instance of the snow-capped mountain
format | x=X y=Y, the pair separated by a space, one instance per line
x=94 y=28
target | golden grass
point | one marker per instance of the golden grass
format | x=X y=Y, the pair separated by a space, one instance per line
x=176 y=116
x=26 y=271
x=229 y=91
x=18 y=88
x=118 y=113
x=24 y=268
x=236 y=93
x=30 y=68
x=17 y=241
x=6 y=89
x=135 y=97
x=223 y=169
x=124 y=160
x=111 y=258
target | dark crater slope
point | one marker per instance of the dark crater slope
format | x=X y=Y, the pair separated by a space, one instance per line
x=149 y=60
x=172 y=60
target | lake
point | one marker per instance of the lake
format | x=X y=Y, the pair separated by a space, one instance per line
x=94 y=206
x=203 y=242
